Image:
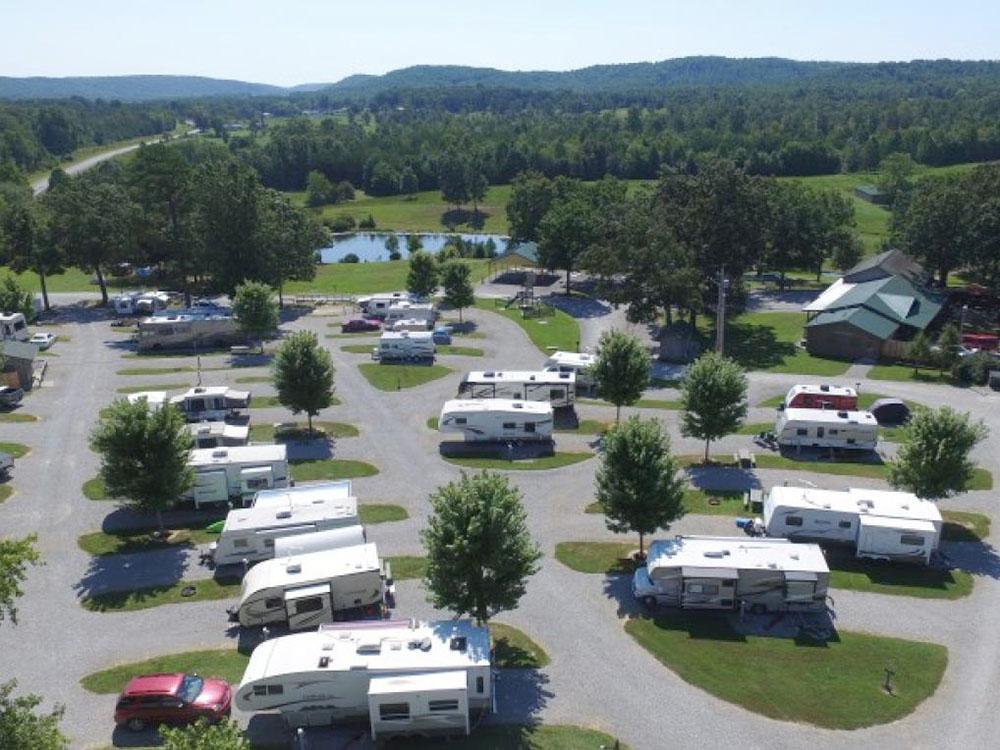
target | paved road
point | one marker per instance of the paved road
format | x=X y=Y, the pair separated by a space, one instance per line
x=40 y=185
x=577 y=618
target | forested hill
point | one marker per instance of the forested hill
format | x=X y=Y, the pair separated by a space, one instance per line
x=130 y=88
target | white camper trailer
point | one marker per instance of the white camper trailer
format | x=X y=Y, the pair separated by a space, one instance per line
x=719 y=572
x=824 y=428
x=880 y=524
x=411 y=324
x=404 y=310
x=211 y=402
x=237 y=473
x=402 y=345
x=219 y=434
x=404 y=677
x=557 y=388
x=250 y=533
x=188 y=329
x=497 y=419
x=314 y=493
x=139 y=303
x=579 y=363
x=303 y=544
x=154 y=399
x=13 y=326
x=306 y=590
x=377 y=305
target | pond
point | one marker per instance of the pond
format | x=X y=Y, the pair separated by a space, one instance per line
x=370 y=246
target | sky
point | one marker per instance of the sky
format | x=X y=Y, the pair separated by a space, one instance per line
x=286 y=42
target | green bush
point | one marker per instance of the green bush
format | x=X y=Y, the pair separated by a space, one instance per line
x=974 y=369
x=341 y=223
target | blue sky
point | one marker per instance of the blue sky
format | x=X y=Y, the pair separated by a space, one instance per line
x=298 y=41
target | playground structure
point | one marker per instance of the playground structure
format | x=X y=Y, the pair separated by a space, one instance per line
x=526 y=301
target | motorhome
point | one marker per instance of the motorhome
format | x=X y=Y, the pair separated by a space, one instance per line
x=224 y=474
x=139 y=303
x=557 y=388
x=249 y=534
x=191 y=329
x=835 y=397
x=402 y=345
x=314 y=493
x=211 y=402
x=825 y=428
x=377 y=305
x=410 y=311
x=13 y=326
x=303 y=544
x=580 y=363
x=497 y=419
x=306 y=590
x=154 y=399
x=720 y=572
x=880 y=524
x=219 y=434
x=404 y=677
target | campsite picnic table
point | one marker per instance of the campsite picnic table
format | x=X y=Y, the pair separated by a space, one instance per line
x=745 y=459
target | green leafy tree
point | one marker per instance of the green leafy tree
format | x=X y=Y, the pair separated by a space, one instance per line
x=289 y=238
x=621 y=369
x=479 y=551
x=453 y=177
x=422 y=278
x=392 y=243
x=478 y=185
x=303 y=375
x=714 y=397
x=144 y=455
x=639 y=484
x=531 y=194
x=408 y=182
x=255 y=310
x=565 y=233
x=14 y=297
x=919 y=350
x=933 y=457
x=936 y=224
x=201 y=735
x=456 y=278
x=15 y=557
x=29 y=247
x=847 y=253
x=21 y=728
x=947 y=347
x=319 y=189
x=895 y=173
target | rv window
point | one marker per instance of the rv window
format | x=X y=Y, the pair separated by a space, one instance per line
x=394 y=712
x=275 y=689
x=834 y=431
x=820 y=431
x=850 y=441
x=260 y=483
x=461 y=420
x=269 y=543
x=479 y=685
x=196 y=404
x=802 y=431
x=529 y=426
x=555 y=394
x=240 y=543
x=260 y=689
x=845 y=524
x=915 y=539
x=313 y=604
x=448 y=705
x=273 y=603
x=793 y=520
x=701 y=588
x=509 y=426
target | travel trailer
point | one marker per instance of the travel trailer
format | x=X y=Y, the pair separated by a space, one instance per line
x=154 y=399
x=401 y=345
x=497 y=419
x=219 y=434
x=579 y=363
x=835 y=397
x=303 y=544
x=720 y=572
x=377 y=305
x=557 y=388
x=404 y=677
x=211 y=402
x=13 y=326
x=880 y=524
x=410 y=324
x=139 y=303
x=224 y=474
x=404 y=310
x=250 y=533
x=826 y=428
x=306 y=590
x=208 y=329
x=314 y=493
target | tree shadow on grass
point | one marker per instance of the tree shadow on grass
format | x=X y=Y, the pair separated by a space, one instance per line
x=458 y=216
x=932 y=577
x=112 y=580
x=756 y=347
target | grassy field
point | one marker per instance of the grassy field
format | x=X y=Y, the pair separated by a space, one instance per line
x=329 y=469
x=156 y=370
x=905 y=373
x=264 y=402
x=406 y=567
x=848 y=572
x=100 y=543
x=559 y=331
x=16 y=450
x=583 y=427
x=513 y=649
x=554 y=461
x=373 y=513
x=397 y=377
x=596 y=557
x=366 y=278
x=700 y=502
x=460 y=351
x=254 y=379
x=93 y=489
x=225 y=664
x=17 y=416
x=154 y=387
x=520 y=737
x=207 y=589
x=836 y=685
x=960 y=526
x=672 y=404
x=264 y=433
x=5 y=492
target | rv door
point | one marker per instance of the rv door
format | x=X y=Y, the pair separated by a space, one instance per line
x=254 y=478
x=800 y=587
x=210 y=487
x=308 y=606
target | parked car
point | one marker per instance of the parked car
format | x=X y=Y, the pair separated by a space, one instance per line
x=6 y=465
x=42 y=340
x=442 y=335
x=357 y=325
x=177 y=698
x=10 y=396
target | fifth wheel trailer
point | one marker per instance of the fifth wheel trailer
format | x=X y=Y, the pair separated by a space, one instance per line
x=825 y=428
x=224 y=474
x=497 y=420
x=879 y=524
x=395 y=346
x=835 y=397
x=557 y=388
x=711 y=572
x=313 y=493
x=211 y=402
x=403 y=677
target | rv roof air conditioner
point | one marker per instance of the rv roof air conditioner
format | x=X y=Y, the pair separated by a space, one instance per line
x=458 y=643
x=324 y=662
x=286 y=513
x=221 y=453
x=842 y=414
x=824 y=387
x=717 y=553
x=370 y=647
x=293 y=567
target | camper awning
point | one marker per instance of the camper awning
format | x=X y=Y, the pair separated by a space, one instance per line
x=307 y=592
x=423 y=683
x=800 y=575
x=901 y=524
x=727 y=573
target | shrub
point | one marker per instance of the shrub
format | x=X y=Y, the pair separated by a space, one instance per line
x=341 y=223
x=975 y=368
x=350 y=258
x=367 y=223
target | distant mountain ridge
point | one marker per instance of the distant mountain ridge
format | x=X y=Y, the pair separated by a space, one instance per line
x=131 y=88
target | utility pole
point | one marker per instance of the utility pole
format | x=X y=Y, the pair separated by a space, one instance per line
x=720 y=313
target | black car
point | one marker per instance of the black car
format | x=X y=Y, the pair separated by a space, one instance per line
x=10 y=396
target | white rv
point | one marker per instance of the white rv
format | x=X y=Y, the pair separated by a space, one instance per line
x=13 y=326
x=219 y=434
x=719 y=572
x=497 y=419
x=303 y=544
x=880 y=524
x=314 y=493
x=306 y=590
x=824 y=428
x=404 y=310
x=154 y=399
x=377 y=305
x=237 y=473
x=557 y=388
x=188 y=330
x=411 y=324
x=579 y=363
x=402 y=345
x=139 y=303
x=250 y=533
x=211 y=402
x=404 y=677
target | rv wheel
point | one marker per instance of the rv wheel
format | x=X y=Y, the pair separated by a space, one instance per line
x=649 y=602
x=136 y=725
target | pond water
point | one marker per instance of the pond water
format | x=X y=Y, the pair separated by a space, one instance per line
x=370 y=246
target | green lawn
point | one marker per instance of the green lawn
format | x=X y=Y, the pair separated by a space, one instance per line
x=752 y=428
x=358 y=348
x=396 y=377
x=254 y=379
x=460 y=351
x=432 y=422
x=584 y=427
x=836 y=685
x=848 y=572
x=905 y=373
x=93 y=489
x=872 y=221
x=642 y=403
x=156 y=370
x=156 y=596
x=264 y=402
x=559 y=331
x=406 y=567
x=520 y=737
x=373 y=513
x=17 y=416
x=700 y=502
x=16 y=450
x=264 y=433
x=153 y=387
x=329 y=469
x=513 y=649
x=597 y=557
x=5 y=492
x=100 y=543
x=225 y=664
x=555 y=461
x=960 y=526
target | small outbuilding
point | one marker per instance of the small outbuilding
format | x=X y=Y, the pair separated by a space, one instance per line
x=18 y=363
x=872 y=194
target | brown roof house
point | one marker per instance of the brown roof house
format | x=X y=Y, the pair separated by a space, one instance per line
x=872 y=310
x=17 y=363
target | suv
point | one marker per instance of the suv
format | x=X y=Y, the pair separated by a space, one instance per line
x=176 y=698
x=10 y=396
